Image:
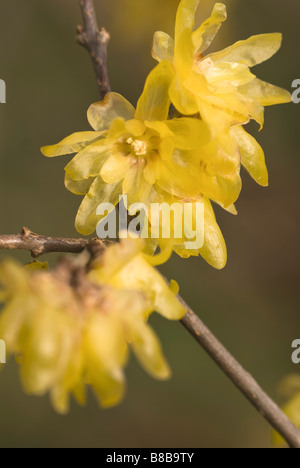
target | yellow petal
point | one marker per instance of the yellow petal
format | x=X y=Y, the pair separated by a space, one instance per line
x=163 y=47
x=214 y=250
x=135 y=185
x=105 y=354
x=182 y=98
x=154 y=103
x=252 y=51
x=78 y=187
x=203 y=36
x=72 y=144
x=189 y=133
x=135 y=127
x=115 y=168
x=147 y=349
x=253 y=158
x=178 y=180
x=88 y=162
x=265 y=93
x=100 y=192
x=224 y=190
x=101 y=114
x=185 y=18
x=141 y=276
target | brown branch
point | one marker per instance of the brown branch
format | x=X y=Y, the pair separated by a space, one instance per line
x=241 y=378
x=95 y=42
x=40 y=245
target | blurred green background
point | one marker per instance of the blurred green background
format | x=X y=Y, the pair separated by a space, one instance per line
x=252 y=305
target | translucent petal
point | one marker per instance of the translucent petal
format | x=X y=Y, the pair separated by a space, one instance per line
x=100 y=192
x=214 y=250
x=226 y=77
x=189 y=133
x=154 y=103
x=163 y=47
x=78 y=187
x=185 y=18
x=72 y=144
x=184 y=54
x=182 y=98
x=115 y=168
x=141 y=276
x=147 y=349
x=106 y=353
x=265 y=93
x=135 y=186
x=101 y=114
x=252 y=51
x=180 y=181
x=89 y=161
x=203 y=36
x=253 y=158
x=225 y=190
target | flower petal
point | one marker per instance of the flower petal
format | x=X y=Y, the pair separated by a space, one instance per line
x=253 y=158
x=204 y=36
x=163 y=47
x=72 y=144
x=106 y=353
x=154 y=103
x=265 y=93
x=147 y=349
x=182 y=98
x=101 y=114
x=252 y=51
x=88 y=162
x=224 y=190
x=214 y=250
x=78 y=187
x=189 y=133
x=185 y=18
x=100 y=192
x=115 y=168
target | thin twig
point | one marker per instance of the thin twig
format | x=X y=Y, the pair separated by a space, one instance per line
x=40 y=245
x=95 y=42
x=241 y=378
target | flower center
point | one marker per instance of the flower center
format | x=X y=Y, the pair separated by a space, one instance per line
x=139 y=147
x=204 y=66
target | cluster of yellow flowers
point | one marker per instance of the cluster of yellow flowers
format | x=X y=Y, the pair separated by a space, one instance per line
x=194 y=157
x=69 y=329
x=184 y=143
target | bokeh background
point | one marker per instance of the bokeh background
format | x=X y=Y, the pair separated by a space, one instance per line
x=252 y=305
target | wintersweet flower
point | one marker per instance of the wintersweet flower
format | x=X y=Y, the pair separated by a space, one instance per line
x=69 y=330
x=132 y=151
x=219 y=86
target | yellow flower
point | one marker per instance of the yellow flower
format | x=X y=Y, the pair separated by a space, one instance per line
x=219 y=85
x=68 y=329
x=131 y=151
